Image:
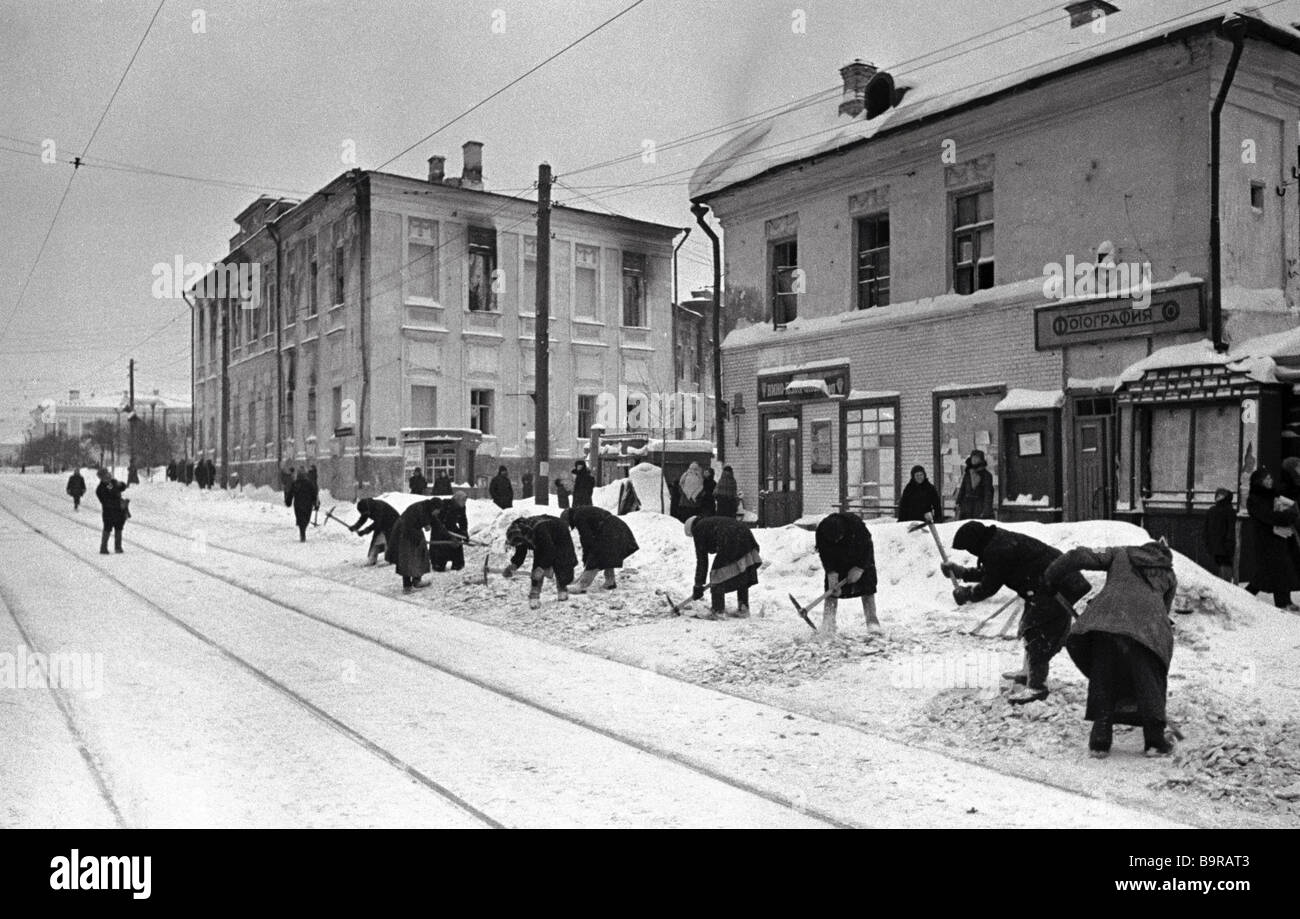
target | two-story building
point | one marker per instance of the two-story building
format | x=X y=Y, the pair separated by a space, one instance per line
x=970 y=252
x=391 y=326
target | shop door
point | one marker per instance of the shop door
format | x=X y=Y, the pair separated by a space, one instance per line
x=779 y=499
x=1094 y=470
x=439 y=460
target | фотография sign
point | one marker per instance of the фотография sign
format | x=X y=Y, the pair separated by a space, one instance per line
x=1175 y=309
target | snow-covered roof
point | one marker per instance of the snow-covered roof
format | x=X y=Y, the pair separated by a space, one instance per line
x=1012 y=56
x=831 y=364
x=1256 y=358
x=807 y=387
x=859 y=394
x=1024 y=400
x=1100 y=383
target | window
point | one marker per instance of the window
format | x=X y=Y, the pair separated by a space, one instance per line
x=482 y=270
x=586 y=415
x=873 y=261
x=313 y=271
x=972 y=241
x=439 y=463
x=236 y=323
x=586 y=282
x=634 y=290
x=336 y=410
x=421 y=260
x=213 y=353
x=263 y=317
x=1257 y=195
x=268 y=418
x=528 y=285
x=424 y=406
x=311 y=409
x=340 y=265
x=290 y=307
x=1209 y=435
x=786 y=281
x=480 y=410
x=871 y=458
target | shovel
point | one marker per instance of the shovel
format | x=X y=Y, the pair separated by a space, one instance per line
x=804 y=611
x=929 y=522
x=991 y=616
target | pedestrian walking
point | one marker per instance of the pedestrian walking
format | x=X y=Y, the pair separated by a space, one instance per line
x=1123 y=641
x=919 y=498
x=113 y=509
x=132 y=477
x=1273 y=518
x=553 y=554
x=726 y=495
x=584 y=484
x=76 y=488
x=303 y=497
x=500 y=490
x=735 y=564
x=1019 y=562
x=847 y=554
x=456 y=522
x=606 y=543
x=1221 y=532
x=708 y=503
x=975 y=493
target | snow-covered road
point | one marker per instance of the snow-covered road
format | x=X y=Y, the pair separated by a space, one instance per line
x=237 y=691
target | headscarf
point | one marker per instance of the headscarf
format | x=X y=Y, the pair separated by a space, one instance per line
x=973 y=537
x=689 y=525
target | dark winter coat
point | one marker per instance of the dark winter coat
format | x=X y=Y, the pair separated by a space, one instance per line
x=442 y=485
x=111 y=503
x=975 y=495
x=1013 y=560
x=1277 y=558
x=76 y=485
x=1221 y=531
x=737 y=560
x=381 y=518
x=549 y=540
x=408 y=549
x=455 y=521
x=726 y=496
x=303 y=496
x=919 y=499
x=584 y=483
x=562 y=494
x=843 y=542
x=605 y=539
x=419 y=485
x=189 y=473
x=708 y=503
x=501 y=491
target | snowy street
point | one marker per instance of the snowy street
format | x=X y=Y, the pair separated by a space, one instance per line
x=249 y=680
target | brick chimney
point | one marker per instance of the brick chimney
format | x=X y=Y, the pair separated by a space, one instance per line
x=437 y=169
x=471 y=173
x=856 y=76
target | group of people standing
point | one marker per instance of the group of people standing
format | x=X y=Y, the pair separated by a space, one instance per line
x=974 y=498
x=502 y=491
x=700 y=494
x=203 y=472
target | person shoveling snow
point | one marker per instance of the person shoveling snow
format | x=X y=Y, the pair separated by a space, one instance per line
x=553 y=555
x=735 y=567
x=849 y=559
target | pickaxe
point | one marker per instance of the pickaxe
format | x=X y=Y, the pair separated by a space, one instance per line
x=929 y=522
x=804 y=611
x=675 y=609
x=329 y=515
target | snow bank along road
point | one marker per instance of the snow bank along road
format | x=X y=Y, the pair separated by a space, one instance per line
x=241 y=692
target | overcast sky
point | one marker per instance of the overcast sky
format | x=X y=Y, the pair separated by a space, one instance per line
x=266 y=97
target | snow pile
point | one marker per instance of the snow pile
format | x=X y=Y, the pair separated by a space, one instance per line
x=1023 y=400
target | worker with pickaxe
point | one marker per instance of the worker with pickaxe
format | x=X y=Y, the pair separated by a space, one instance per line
x=849 y=559
x=1019 y=562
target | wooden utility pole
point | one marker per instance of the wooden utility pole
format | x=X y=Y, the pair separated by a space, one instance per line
x=542 y=337
x=130 y=419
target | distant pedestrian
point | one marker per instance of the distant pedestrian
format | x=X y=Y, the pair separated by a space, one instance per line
x=606 y=543
x=735 y=565
x=418 y=483
x=526 y=485
x=975 y=493
x=500 y=489
x=382 y=517
x=1123 y=640
x=303 y=496
x=708 y=503
x=562 y=493
x=584 y=484
x=311 y=474
x=691 y=486
x=189 y=472
x=113 y=508
x=442 y=485
x=1221 y=532
x=919 y=498
x=171 y=471
x=726 y=495
x=1273 y=518
x=132 y=477
x=209 y=473
x=76 y=488
x=553 y=554
x=452 y=551
x=847 y=554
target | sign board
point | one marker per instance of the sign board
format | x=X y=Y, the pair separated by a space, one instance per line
x=1174 y=309
x=345 y=431
x=771 y=387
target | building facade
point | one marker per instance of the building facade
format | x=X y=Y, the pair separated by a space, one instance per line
x=76 y=414
x=391 y=327
x=972 y=255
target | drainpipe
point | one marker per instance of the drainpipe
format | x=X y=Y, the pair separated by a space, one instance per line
x=194 y=353
x=273 y=229
x=362 y=188
x=699 y=209
x=1234 y=31
x=677 y=371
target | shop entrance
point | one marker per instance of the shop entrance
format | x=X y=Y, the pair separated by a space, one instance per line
x=1092 y=495
x=779 y=500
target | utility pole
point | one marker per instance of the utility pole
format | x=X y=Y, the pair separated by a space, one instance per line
x=225 y=391
x=542 y=337
x=130 y=419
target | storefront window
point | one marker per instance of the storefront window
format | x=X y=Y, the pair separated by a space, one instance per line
x=1216 y=451
x=1209 y=434
x=871 y=459
x=1171 y=431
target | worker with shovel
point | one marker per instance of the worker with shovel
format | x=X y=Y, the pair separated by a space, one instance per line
x=849 y=559
x=1019 y=562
